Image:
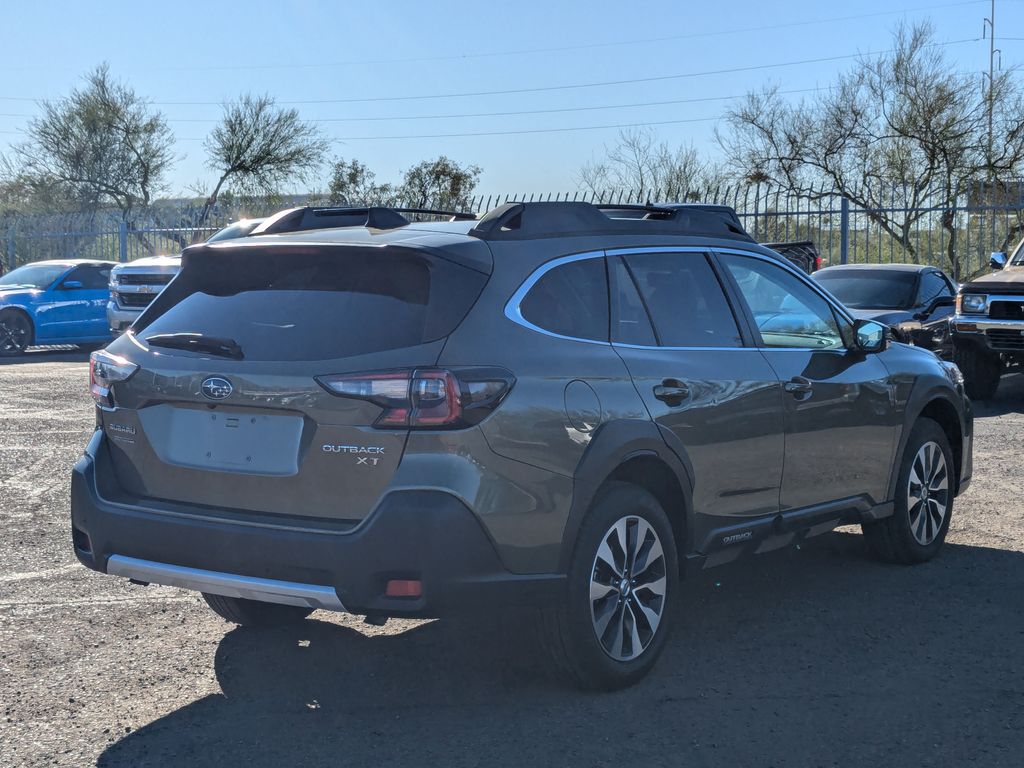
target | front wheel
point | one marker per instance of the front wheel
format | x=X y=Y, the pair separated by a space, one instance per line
x=621 y=597
x=914 y=533
x=254 y=613
x=15 y=333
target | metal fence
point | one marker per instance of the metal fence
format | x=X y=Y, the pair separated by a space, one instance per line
x=842 y=231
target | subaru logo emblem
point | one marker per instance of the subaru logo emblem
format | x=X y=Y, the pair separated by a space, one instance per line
x=216 y=388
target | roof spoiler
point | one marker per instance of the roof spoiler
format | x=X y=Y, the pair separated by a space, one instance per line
x=372 y=217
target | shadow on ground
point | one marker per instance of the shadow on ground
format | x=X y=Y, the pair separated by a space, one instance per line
x=1009 y=397
x=816 y=656
x=66 y=353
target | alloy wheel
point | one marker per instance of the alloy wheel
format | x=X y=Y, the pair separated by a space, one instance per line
x=627 y=588
x=13 y=335
x=928 y=493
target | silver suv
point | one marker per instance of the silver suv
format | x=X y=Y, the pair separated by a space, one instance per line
x=556 y=405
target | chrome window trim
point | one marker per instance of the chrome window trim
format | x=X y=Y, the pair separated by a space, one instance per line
x=514 y=312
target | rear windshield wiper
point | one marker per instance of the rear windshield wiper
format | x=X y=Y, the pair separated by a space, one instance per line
x=197 y=342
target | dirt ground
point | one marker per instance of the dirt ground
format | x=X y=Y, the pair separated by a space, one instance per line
x=814 y=656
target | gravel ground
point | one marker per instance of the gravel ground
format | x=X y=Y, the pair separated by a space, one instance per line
x=808 y=657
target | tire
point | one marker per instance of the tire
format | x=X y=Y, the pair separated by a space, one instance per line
x=616 y=660
x=981 y=371
x=15 y=333
x=253 y=613
x=914 y=533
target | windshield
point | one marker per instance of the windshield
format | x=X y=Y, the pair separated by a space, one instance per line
x=1017 y=259
x=238 y=229
x=40 y=276
x=870 y=288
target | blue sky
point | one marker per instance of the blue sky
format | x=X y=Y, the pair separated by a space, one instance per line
x=360 y=60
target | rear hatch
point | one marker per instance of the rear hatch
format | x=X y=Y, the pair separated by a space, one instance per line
x=231 y=407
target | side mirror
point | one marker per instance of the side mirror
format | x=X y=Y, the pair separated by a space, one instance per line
x=70 y=285
x=938 y=301
x=997 y=260
x=869 y=336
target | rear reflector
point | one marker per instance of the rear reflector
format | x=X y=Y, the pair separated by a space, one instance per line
x=404 y=588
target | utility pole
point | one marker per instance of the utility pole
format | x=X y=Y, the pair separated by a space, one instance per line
x=989 y=28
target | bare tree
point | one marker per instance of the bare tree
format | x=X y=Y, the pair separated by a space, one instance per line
x=440 y=183
x=353 y=183
x=899 y=133
x=103 y=142
x=258 y=146
x=640 y=163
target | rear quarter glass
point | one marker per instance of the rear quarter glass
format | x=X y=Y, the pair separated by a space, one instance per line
x=317 y=304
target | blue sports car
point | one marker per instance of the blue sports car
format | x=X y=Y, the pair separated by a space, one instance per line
x=54 y=302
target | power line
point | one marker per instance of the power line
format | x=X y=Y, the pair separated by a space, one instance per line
x=565 y=48
x=573 y=86
x=530 y=130
x=548 y=88
x=507 y=113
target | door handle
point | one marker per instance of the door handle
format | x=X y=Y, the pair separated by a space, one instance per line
x=672 y=392
x=799 y=387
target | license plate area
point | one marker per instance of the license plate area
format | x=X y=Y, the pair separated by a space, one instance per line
x=225 y=441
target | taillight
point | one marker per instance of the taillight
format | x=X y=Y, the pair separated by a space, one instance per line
x=817 y=263
x=106 y=369
x=425 y=398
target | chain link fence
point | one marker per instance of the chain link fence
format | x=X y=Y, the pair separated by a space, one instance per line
x=958 y=239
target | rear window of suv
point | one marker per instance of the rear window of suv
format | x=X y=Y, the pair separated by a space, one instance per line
x=315 y=304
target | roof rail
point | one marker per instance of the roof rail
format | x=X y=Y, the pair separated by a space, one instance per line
x=329 y=217
x=452 y=215
x=521 y=221
x=308 y=217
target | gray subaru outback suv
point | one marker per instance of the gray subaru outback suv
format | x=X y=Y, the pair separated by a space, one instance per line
x=557 y=405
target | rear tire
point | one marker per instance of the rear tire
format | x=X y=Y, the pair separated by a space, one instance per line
x=620 y=601
x=15 y=333
x=253 y=613
x=981 y=371
x=914 y=533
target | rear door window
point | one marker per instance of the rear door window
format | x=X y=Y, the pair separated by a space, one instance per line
x=684 y=299
x=315 y=304
x=570 y=300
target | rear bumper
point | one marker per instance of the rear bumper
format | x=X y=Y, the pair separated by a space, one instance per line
x=428 y=536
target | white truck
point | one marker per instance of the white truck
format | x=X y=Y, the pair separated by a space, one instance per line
x=134 y=285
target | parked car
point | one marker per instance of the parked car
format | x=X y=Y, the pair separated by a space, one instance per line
x=552 y=406
x=916 y=301
x=802 y=253
x=988 y=330
x=54 y=302
x=135 y=284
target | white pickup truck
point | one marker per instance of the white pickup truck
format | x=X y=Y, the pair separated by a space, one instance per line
x=134 y=285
